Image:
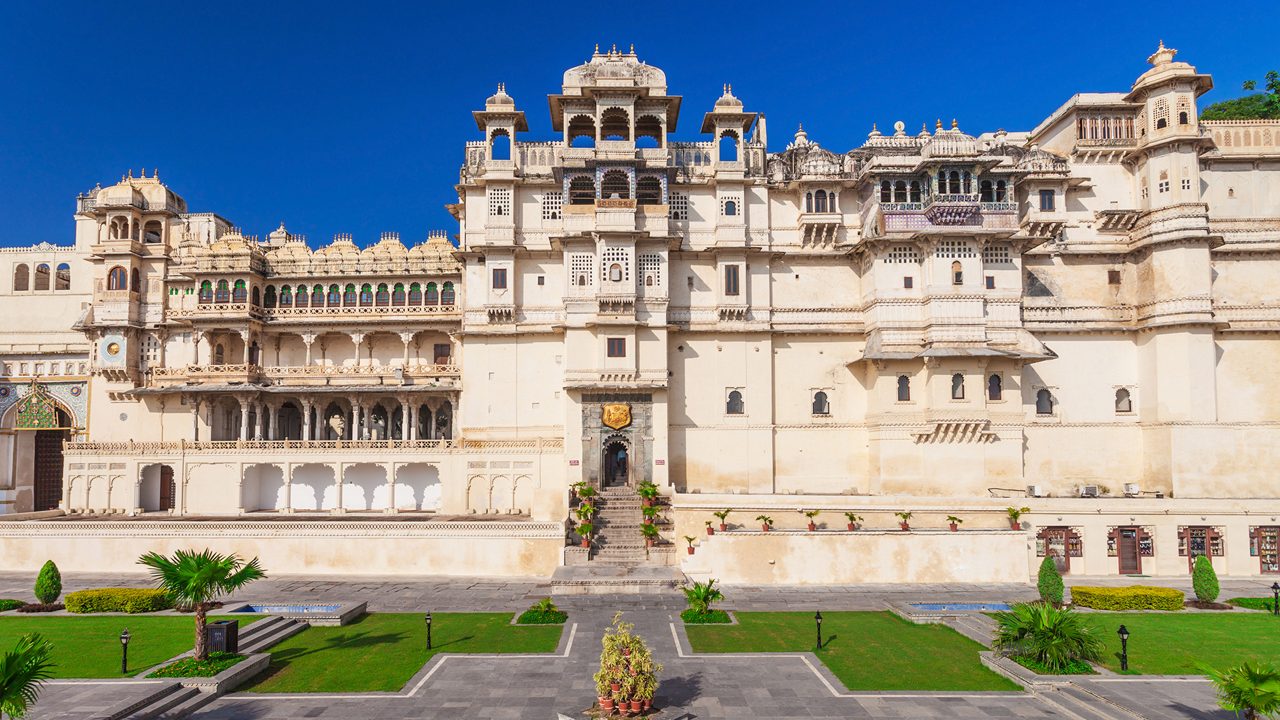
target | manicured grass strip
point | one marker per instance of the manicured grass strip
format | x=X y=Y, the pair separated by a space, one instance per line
x=89 y=646
x=382 y=651
x=711 y=617
x=866 y=650
x=1178 y=644
x=1250 y=603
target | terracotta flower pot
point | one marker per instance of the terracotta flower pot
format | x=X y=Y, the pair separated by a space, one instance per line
x=648 y=703
x=813 y=527
x=648 y=542
x=955 y=527
x=690 y=549
x=765 y=528
x=636 y=705
x=852 y=527
x=904 y=526
x=615 y=687
x=586 y=542
x=1015 y=524
x=711 y=530
x=724 y=527
x=606 y=703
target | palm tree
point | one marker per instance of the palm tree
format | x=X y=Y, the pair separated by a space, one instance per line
x=1054 y=637
x=22 y=672
x=1252 y=691
x=701 y=595
x=198 y=579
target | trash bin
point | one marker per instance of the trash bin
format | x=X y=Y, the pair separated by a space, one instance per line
x=223 y=636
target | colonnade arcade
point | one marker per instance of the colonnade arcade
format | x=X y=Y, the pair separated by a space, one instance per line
x=334 y=348
x=341 y=415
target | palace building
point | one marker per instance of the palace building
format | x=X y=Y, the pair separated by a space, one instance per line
x=1075 y=319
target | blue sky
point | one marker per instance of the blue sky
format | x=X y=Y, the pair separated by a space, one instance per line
x=350 y=117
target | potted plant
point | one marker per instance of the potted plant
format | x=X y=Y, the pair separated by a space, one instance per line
x=650 y=513
x=627 y=670
x=576 y=488
x=604 y=690
x=811 y=514
x=954 y=522
x=650 y=533
x=903 y=520
x=1015 y=516
x=586 y=492
x=710 y=530
x=648 y=492
x=766 y=522
x=585 y=529
x=689 y=539
x=853 y=519
x=722 y=514
x=584 y=511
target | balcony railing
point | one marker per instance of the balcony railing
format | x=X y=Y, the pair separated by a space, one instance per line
x=548 y=444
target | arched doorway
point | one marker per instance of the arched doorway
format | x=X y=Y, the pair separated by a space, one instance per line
x=47 y=476
x=616 y=462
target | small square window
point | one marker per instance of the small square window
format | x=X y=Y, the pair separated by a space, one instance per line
x=908 y=282
x=1163 y=186
x=1046 y=200
x=617 y=347
x=542 y=279
x=1186 y=183
x=1113 y=277
x=991 y=282
x=499 y=278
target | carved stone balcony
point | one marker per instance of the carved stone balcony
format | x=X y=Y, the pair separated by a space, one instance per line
x=444 y=374
x=500 y=312
x=951 y=209
x=1115 y=222
x=820 y=228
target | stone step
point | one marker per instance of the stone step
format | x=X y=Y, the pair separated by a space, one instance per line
x=187 y=707
x=1100 y=707
x=261 y=641
x=267 y=624
x=608 y=579
x=164 y=703
x=129 y=707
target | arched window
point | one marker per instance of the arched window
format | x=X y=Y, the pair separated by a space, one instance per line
x=886 y=191
x=582 y=131
x=415 y=293
x=269 y=297
x=1044 y=402
x=942 y=182
x=135 y=282
x=820 y=404
x=915 y=191
x=1001 y=191
x=334 y=298
x=433 y=294
x=808 y=202
x=397 y=295
x=648 y=132
x=446 y=294
x=904 y=388
x=383 y=296
x=366 y=295
x=255 y=298
x=728 y=147
x=649 y=191
x=582 y=190
x=219 y=355
x=900 y=191
x=730 y=208
x=239 y=293
x=615 y=273
x=42 y=277
x=957 y=386
x=349 y=295
x=1124 y=403
x=286 y=296
x=986 y=193
x=995 y=388
x=22 y=278
x=957 y=273
x=302 y=297
x=223 y=292
x=968 y=183
x=318 y=296
x=953 y=186
x=615 y=124
x=820 y=201
x=151 y=232
x=615 y=184
x=62 y=278
x=1183 y=119
x=500 y=145
x=206 y=292
x=734 y=405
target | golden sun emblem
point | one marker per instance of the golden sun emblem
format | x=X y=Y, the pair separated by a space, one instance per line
x=616 y=416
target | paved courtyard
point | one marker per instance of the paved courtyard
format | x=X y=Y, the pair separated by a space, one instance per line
x=704 y=687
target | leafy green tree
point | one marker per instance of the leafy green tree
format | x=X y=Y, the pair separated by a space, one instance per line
x=22 y=673
x=701 y=595
x=1253 y=692
x=1256 y=106
x=199 y=579
x=1204 y=580
x=1053 y=637
x=1049 y=582
x=48 y=583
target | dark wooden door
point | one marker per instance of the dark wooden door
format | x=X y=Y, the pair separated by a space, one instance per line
x=48 y=470
x=1127 y=550
x=166 y=487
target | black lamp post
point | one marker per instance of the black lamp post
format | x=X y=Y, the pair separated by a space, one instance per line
x=1275 y=598
x=428 y=629
x=1123 y=632
x=124 y=651
x=817 y=619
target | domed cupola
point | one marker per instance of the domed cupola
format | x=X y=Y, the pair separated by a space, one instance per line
x=950 y=143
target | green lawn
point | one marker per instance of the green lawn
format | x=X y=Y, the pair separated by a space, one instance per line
x=88 y=646
x=1178 y=643
x=382 y=651
x=866 y=650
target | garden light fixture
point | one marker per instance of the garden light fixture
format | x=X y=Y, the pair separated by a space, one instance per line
x=1275 y=598
x=428 y=629
x=1123 y=632
x=817 y=619
x=124 y=651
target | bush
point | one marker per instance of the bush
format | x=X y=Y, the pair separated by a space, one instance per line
x=1253 y=603
x=1056 y=639
x=1050 y=582
x=1204 y=580
x=1134 y=597
x=543 y=612
x=125 y=600
x=191 y=667
x=701 y=595
x=48 y=584
x=1253 y=690
x=9 y=604
x=710 y=617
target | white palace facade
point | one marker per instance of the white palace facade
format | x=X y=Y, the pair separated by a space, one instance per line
x=1077 y=319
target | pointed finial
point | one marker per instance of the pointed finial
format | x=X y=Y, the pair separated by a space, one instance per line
x=730 y=85
x=155 y=173
x=954 y=125
x=633 y=48
x=597 y=48
x=874 y=128
x=800 y=127
x=938 y=124
x=724 y=88
x=614 y=48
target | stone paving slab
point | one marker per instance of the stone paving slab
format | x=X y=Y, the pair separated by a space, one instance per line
x=87 y=699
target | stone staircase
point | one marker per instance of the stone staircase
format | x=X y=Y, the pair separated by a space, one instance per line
x=618 y=540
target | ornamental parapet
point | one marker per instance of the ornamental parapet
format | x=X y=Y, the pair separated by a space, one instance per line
x=282 y=529
x=226 y=447
x=942 y=213
x=304 y=374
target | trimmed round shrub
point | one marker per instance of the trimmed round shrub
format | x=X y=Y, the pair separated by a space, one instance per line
x=1049 y=583
x=48 y=584
x=1204 y=580
x=125 y=600
x=10 y=604
x=1134 y=597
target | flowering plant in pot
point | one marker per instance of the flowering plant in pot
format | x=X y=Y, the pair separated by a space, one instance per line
x=650 y=533
x=710 y=530
x=585 y=529
x=648 y=492
x=689 y=539
x=586 y=492
x=766 y=522
x=811 y=514
x=1015 y=516
x=904 y=520
x=954 y=522
x=722 y=514
x=853 y=519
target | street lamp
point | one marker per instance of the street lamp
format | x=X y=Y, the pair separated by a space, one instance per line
x=1123 y=632
x=428 y=629
x=817 y=619
x=124 y=651
x=1275 y=598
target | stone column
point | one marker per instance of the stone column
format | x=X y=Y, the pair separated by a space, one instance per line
x=391 y=488
x=358 y=339
x=306 y=420
x=195 y=419
x=337 y=506
x=356 y=419
x=308 y=339
x=196 y=338
x=244 y=418
x=257 y=420
x=245 y=338
x=288 y=488
x=411 y=420
x=406 y=338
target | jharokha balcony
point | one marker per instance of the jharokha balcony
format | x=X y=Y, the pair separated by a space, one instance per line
x=444 y=375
